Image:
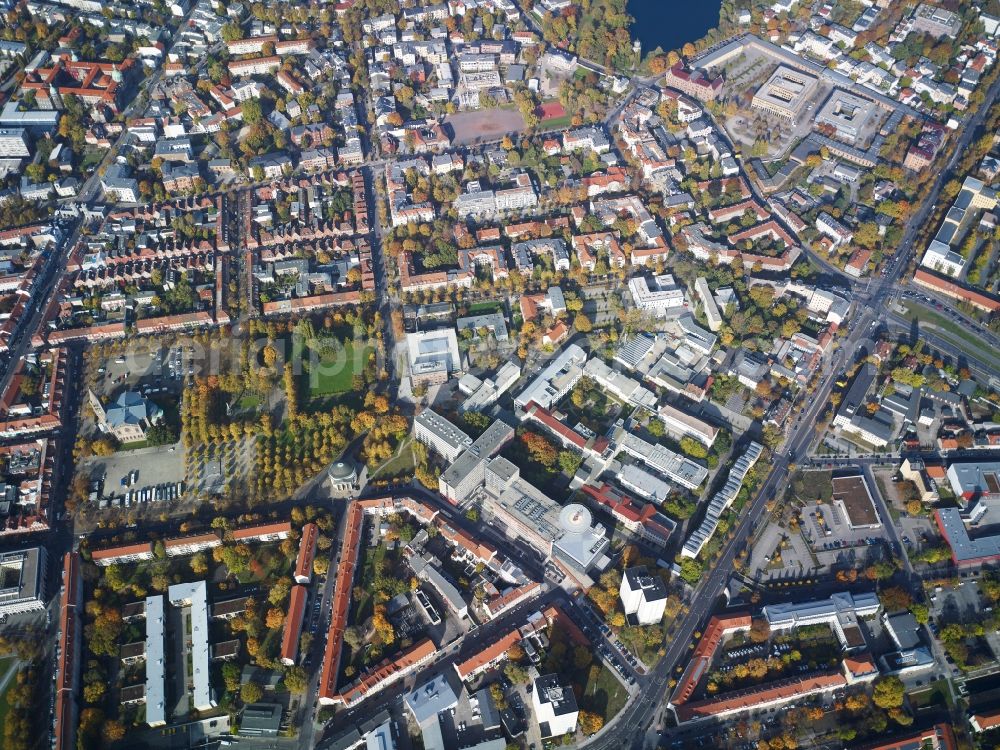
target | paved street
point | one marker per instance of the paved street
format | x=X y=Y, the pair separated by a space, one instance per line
x=644 y=714
x=639 y=714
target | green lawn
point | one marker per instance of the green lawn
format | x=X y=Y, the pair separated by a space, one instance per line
x=935 y=695
x=556 y=123
x=249 y=402
x=399 y=465
x=605 y=695
x=91 y=158
x=335 y=373
x=482 y=308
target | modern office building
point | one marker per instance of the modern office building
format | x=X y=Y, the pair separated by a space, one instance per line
x=22 y=581
x=468 y=471
x=555 y=381
x=847 y=114
x=439 y=434
x=433 y=356
x=555 y=707
x=841 y=612
x=643 y=596
x=936 y=21
x=14 y=143
x=785 y=93
x=660 y=295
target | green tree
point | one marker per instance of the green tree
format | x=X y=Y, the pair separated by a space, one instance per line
x=252 y=112
x=231 y=676
x=888 y=693
x=693 y=448
x=691 y=570
x=296 y=679
x=251 y=692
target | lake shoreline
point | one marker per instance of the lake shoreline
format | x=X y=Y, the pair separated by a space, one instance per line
x=669 y=24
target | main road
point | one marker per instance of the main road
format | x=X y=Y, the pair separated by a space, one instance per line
x=638 y=715
x=628 y=729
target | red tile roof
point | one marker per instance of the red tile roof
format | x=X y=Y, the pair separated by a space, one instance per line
x=938 y=737
x=557 y=617
x=546 y=418
x=307 y=551
x=701 y=659
x=500 y=603
x=489 y=655
x=267 y=529
x=127 y=549
x=65 y=725
x=759 y=696
x=987 y=720
x=293 y=624
x=388 y=671
x=956 y=291
x=341 y=602
x=861 y=665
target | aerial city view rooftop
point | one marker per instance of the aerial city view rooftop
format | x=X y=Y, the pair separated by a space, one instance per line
x=500 y=375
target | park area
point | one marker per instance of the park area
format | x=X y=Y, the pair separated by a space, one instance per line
x=334 y=372
x=330 y=364
x=8 y=673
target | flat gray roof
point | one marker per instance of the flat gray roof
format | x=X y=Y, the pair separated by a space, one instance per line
x=963 y=547
x=156 y=712
x=195 y=596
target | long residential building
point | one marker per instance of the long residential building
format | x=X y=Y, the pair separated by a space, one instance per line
x=307 y=553
x=67 y=681
x=269 y=532
x=293 y=624
x=722 y=500
x=124 y=554
x=681 y=424
x=387 y=673
x=194 y=597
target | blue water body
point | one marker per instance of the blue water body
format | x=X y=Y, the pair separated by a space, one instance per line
x=672 y=23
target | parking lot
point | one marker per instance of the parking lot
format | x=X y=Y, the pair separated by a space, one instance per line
x=154 y=488
x=151 y=370
x=612 y=651
x=961 y=603
x=834 y=532
x=795 y=561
